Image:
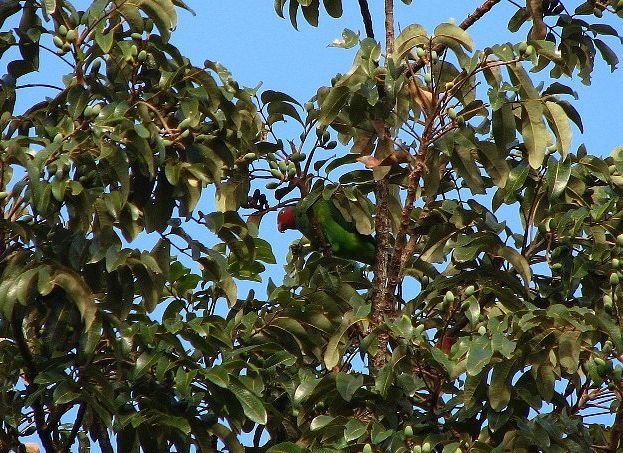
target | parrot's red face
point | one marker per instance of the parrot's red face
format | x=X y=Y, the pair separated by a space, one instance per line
x=286 y=219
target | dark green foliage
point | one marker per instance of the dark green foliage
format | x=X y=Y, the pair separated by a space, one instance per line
x=494 y=326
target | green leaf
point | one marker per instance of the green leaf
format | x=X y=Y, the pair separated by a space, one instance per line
x=569 y=346
x=479 y=355
x=384 y=379
x=333 y=7
x=559 y=123
x=144 y=362
x=163 y=13
x=78 y=292
x=518 y=261
x=332 y=104
x=499 y=389
x=452 y=36
x=64 y=393
x=498 y=168
x=503 y=127
x=557 y=176
x=251 y=404
x=354 y=429
x=49 y=6
x=607 y=54
x=347 y=384
x=217 y=375
x=285 y=447
x=534 y=132
x=332 y=354
x=412 y=36
x=320 y=422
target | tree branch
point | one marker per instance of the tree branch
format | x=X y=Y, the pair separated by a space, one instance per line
x=74 y=429
x=380 y=300
x=389 y=26
x=30 y=372
x=367 y=18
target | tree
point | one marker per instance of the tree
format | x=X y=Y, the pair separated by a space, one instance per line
x=473 y=331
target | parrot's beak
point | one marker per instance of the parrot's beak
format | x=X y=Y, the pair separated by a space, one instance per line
x=280 y=227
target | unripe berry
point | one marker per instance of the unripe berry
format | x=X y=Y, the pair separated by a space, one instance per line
x=58 y=42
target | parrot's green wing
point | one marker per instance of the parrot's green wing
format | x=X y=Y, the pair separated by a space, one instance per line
x=343 y=237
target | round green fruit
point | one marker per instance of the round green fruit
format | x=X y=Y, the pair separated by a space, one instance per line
x=620 y=240
x=607 y=300
x=71 y=35
x=470 y=290
x=614 y=278
x=449 y=297
x=62 y=30
x=408 y=431
x=367 y=448
x=426 y=447
x=272 y=185
x=420 y=52
x=529 y=50
x=482 y=330
x=428 y=78
x=58 y=42
x=184 y=123
x=522 y=47
x=136 y=36
x=434 y=56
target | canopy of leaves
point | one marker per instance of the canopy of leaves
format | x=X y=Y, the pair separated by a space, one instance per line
x=491 y=321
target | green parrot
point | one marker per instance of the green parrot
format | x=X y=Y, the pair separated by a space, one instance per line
x=342 y=236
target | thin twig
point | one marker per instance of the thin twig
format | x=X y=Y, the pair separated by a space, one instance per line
x=367 y=18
